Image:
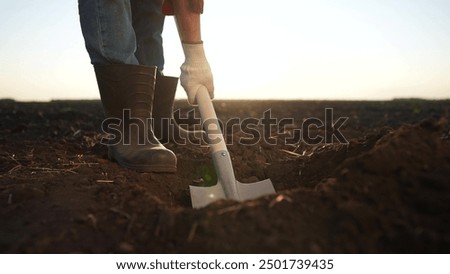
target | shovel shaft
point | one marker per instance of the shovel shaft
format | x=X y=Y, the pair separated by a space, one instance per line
x=210 y=122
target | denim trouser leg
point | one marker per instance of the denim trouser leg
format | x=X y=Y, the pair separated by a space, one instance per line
x=115 y=33
x=148 y=23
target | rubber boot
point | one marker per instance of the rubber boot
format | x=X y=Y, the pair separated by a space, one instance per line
x=166 y=129
x=127 y=97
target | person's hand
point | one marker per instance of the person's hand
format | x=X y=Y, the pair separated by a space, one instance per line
x=195 y=72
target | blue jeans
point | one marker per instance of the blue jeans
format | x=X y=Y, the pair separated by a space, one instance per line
x=123 y=31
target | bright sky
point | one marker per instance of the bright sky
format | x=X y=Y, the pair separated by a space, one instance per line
x=258 y=49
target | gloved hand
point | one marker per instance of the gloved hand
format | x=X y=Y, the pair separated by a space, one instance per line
x=195 y=72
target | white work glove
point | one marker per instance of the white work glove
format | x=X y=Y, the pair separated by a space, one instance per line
x=195 y=72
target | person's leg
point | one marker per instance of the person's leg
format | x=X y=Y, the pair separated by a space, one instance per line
x=148 y=23
x=108 y=31
x=127 y=98
x=126 y=88
x=165 y=127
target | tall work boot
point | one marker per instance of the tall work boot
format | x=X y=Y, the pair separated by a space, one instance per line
x=127 y=97
x=166 y=129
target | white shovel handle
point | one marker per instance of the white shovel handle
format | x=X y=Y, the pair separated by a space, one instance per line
x=211 y=123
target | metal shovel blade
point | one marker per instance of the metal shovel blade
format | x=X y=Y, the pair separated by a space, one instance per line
x=255 y=190
x=203 y=196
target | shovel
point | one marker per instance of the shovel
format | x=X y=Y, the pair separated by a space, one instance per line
x=227 y=186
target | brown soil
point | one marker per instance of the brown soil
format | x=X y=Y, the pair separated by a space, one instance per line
x=386 y=191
